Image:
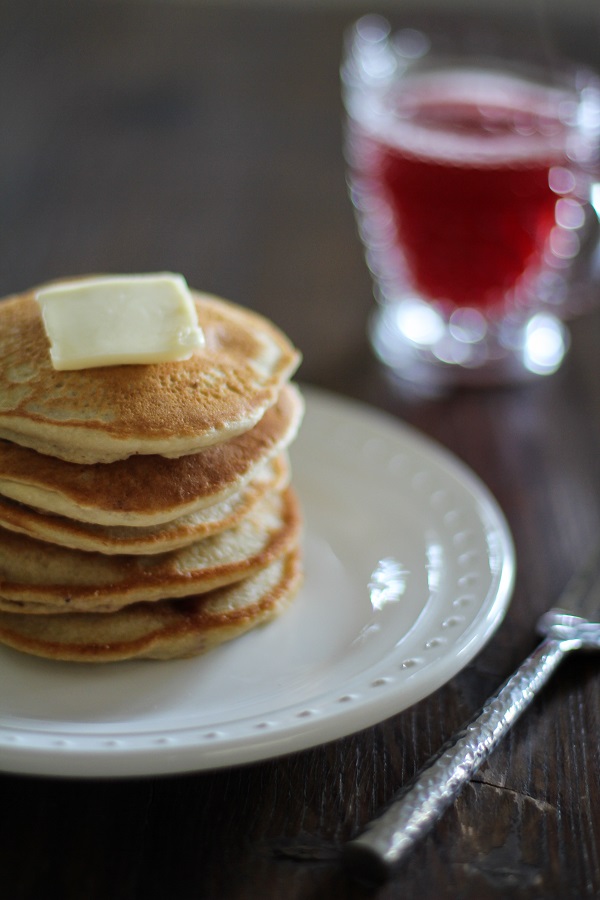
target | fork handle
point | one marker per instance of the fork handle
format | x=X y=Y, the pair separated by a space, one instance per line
x=387 y=840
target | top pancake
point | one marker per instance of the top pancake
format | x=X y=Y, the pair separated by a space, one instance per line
x=112 y=412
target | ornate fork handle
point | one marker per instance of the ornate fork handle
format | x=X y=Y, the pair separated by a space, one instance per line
x=388 y=839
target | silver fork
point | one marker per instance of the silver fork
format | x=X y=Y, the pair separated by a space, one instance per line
x=374 y=855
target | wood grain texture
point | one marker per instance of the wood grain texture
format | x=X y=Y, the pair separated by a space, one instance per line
x=207 y=140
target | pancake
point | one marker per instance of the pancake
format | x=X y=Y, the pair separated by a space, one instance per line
x=164 y=630
x=38 y=577
x=109 y=413
x=273 y=475
x=148 y=490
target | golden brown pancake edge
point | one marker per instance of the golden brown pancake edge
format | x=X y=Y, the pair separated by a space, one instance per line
x=94 y=582
x=170 y=629
x=148 y=489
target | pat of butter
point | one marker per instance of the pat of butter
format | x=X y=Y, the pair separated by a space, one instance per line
x=119 y=320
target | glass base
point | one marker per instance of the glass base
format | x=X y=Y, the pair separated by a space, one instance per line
x=435 y=354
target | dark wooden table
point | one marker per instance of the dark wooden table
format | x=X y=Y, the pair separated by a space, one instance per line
x=143 y=136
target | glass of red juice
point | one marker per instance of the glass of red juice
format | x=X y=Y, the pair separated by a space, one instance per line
x=472 y=180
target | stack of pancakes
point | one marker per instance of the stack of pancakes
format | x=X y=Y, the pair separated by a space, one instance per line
x=146 y=510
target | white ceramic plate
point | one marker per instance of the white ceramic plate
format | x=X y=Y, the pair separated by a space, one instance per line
x=409 y=570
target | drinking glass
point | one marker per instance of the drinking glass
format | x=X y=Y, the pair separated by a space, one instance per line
x=473 y=181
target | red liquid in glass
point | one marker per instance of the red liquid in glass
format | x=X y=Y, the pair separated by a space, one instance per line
x=467 y=183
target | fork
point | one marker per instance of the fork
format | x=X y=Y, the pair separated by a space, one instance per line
x=385 y=844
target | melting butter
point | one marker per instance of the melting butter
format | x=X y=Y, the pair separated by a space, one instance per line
x=118 y=320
